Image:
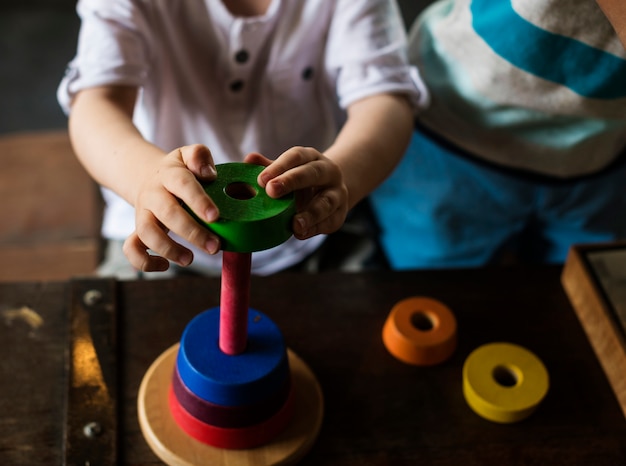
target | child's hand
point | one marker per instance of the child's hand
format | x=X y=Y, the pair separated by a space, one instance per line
x=158 y=210
x=318 y=183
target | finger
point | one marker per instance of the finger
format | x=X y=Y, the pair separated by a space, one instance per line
x=138 y=256
x=325 y=213
x=199 y=160
x=173 y=217
x=183 y=185
x=153 y=235
x=326 y=226
x=257 y=159
x=316 y=173
x=288 y=160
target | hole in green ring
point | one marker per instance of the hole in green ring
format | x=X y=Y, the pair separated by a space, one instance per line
x=240 y=191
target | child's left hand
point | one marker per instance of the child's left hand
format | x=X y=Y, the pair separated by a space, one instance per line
x=318 y=184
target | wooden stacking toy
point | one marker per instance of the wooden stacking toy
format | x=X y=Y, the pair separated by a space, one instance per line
x=231 y=392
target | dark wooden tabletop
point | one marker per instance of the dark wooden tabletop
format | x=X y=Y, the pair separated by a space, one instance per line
x=378 y=411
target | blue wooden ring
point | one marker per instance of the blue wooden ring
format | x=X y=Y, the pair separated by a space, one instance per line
x=229 y=416
x=240 y=380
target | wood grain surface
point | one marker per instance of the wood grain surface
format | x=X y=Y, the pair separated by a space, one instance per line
x=378 y=410
x=594 y=278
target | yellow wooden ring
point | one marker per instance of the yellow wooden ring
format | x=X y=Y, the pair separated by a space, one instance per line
x=420 y=331
x=503 y=382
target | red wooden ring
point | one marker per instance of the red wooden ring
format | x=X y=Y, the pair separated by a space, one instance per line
x=230 y=438
x=229 y=416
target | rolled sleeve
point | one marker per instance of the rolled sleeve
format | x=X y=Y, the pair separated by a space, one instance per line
x=368 y=50
x=359 y=81
x=112 y=49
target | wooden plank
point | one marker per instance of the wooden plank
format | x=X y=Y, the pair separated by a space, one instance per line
x=91 y=416
x=32 y=338
x=51 y=211
x=47 y=195
x=594 y=278
x=48 y=261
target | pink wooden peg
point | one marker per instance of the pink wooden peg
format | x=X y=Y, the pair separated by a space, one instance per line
x=234 y=302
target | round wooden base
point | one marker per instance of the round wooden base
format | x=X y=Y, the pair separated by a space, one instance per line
x=170 y=443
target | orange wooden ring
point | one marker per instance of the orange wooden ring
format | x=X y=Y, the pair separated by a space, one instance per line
x=420 y=331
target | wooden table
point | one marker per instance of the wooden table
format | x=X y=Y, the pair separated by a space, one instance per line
x=378 y=411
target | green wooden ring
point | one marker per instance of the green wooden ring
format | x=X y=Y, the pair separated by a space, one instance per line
x=249 y=220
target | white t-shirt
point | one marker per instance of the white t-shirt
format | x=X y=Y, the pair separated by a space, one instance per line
x=239 y=84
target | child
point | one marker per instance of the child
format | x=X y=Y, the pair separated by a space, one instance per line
x=521 y=152
x=162 y=90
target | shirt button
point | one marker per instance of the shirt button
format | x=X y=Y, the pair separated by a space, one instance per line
x=307 y=73
x=242 y=56
x=236 y=85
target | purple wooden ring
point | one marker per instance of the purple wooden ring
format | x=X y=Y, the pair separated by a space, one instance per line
x=229 y=416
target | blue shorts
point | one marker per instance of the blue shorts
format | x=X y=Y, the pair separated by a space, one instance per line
x=442 y=209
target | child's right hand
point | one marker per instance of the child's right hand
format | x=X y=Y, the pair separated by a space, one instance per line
x=158 y=210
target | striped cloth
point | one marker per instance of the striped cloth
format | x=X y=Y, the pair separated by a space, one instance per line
x=538 y=85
